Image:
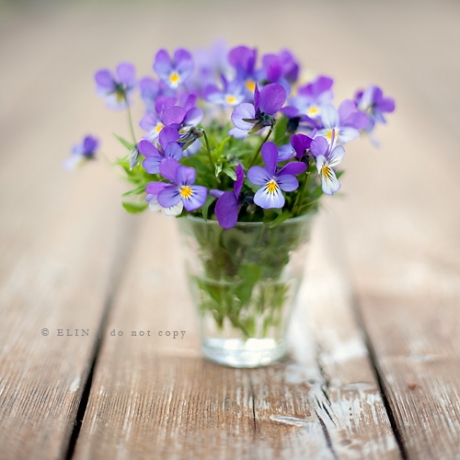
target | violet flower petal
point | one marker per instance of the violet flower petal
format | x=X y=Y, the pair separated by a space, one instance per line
x=185 y=175
x=169 y=196
x=197 y=199
x=287 y=182
x=319 y=146
x=239 y=180
x=270 y=157
x=226 y=210
x=272 y=98
x=258 y=175
x=168 y=168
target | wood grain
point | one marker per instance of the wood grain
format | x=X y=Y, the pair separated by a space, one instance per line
x=60 y=251
x=157 y=397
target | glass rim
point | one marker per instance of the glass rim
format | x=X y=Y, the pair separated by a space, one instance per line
x=291 y=220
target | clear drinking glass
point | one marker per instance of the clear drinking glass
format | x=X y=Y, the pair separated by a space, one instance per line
x=244 y=282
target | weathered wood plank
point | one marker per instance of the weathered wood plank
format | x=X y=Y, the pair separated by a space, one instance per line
x=60 y=251
x=156 y=396
x=405 y=256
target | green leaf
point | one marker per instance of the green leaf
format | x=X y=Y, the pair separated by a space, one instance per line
x=124 y=142
x=134 y=208
x=205 y=208
x=218 y=169
x=230 y=172
x=135 y=191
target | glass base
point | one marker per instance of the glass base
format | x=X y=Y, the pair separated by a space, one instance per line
x=243 y=353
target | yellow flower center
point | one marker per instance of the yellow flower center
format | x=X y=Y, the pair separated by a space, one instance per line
x=272 y=186
x=186 y=191
x=158 y=127
x=250 y=85
x=313 y=111
x=326 y=171
x=120 y=95
x=329 y=134
x=230 y=99
x=174 y=78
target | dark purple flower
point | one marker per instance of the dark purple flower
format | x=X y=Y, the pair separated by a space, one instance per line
x=228 y=203
x=372 y=102
x=280 y=68
x=169 y=148
x=174 y=71
x=82 y=152
x=249 y=118
x=181 y=189
x=345 y=123
x=116 y=89
x=297 y=148
x=273 y=181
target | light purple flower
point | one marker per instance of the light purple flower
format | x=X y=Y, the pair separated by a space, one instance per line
x=250 y=118
x=372 y=102
x=153 y=121
x=116 y=89
x=345 y=122
x=228 y=203
x=327 y=156
x=169 y=148
x=308 y=103
x=243 y=60
x=82 y=152
x=182 y=188
x=151 y=89
x=231 y=94
x=273 y=181
x=174 y=71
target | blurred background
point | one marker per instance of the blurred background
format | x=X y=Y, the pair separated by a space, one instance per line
x=398 y=207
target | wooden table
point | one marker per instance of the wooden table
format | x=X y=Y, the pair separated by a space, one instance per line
x=374 y=369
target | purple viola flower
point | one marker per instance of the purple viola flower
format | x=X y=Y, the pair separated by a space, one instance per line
x=151 y=89
x=327 y=156
x=299 y=144
x=169 y=148
x=249 y=118
x=280 y=68
x=228 y=203
x=174 y=71
x=182 y=190
x=82 y=152
x=231 y=94
x=345 y=123
x=273 y=181
x=210 y=64
x=116 y=88
x=153 y=122
x=153 y=189
x=243 y=60
x=310 y=99
x=372 y=102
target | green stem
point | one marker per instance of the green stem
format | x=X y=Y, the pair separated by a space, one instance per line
x=208 y=149
x=130 y=120
x=298 y=200
x=260 y=147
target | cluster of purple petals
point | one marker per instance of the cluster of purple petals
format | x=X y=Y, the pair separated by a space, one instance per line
x=253 y=92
